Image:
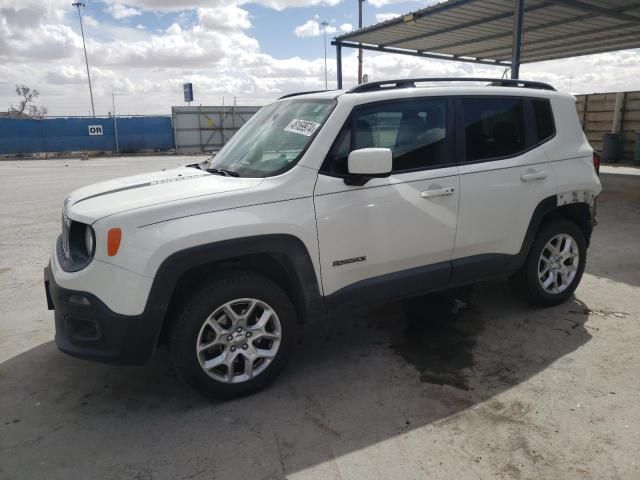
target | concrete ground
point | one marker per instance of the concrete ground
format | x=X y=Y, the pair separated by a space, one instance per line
x=474 y=384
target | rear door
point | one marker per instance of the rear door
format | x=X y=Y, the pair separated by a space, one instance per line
x=397 y=232
x=504 y=175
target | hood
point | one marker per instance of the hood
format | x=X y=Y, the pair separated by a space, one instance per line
x=91 y=203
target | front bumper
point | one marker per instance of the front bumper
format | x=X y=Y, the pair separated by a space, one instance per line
x=87 y=328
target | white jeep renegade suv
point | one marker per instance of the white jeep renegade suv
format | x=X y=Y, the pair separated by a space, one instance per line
x=325 y=200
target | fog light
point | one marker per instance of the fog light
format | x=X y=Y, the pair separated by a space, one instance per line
x=83 y=330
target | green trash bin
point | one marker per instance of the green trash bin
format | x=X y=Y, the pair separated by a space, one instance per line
x=636 y=153
x=611 y=147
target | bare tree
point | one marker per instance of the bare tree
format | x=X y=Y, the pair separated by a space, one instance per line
x=26 y=107
x=37 y=112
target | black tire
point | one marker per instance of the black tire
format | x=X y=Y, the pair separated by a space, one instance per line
x=185 y=334
x=527 y=278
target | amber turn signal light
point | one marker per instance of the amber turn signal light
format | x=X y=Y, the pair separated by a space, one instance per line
x=113 y=241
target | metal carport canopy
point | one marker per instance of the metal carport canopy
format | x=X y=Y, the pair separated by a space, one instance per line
x=503 y=32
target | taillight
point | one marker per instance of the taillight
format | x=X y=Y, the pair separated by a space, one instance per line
x=596 y=161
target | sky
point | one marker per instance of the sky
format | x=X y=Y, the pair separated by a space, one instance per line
x=250 y=52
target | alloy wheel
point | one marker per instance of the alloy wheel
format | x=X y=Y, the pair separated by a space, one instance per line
x=239 y=340
x=558 y=263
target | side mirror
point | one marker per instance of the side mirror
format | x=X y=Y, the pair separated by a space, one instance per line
x=367 y=163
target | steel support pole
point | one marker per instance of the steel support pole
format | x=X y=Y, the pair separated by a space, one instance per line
x=360 y=49
x=516 y=49
x=115 y=123
x=339 y=64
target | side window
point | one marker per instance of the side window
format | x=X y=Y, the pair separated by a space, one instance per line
x=494 y=127
x=415 y=131
x=543 y=115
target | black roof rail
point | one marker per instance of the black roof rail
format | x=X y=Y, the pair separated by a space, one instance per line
x=288 y=95
x=411 y=82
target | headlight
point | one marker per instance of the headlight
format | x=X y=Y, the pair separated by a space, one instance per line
x=81 y=246
x=89 y=241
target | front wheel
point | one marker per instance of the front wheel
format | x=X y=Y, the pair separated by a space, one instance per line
x=234 y=336
x=555 y=264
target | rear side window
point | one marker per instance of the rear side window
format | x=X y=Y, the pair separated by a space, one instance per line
x=494 y=127
x=545 y=127
x=415 y=131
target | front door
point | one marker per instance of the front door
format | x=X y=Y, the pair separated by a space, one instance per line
x=392 y=236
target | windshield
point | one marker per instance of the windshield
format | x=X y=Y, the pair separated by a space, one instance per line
x=273 y=139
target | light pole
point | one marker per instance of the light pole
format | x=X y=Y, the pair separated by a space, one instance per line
x=115 y=123
x=78 y=5
x=324 y=36
x=360 y=2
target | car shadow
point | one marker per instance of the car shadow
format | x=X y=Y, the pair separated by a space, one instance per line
x=355 y=381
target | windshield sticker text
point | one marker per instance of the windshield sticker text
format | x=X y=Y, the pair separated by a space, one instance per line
x=302 y=127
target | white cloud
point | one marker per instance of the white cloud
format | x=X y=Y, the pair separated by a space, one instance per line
x=313 y=28
x=65 y=75
x=172 y=5
x=175 y=48
x=174 y=29
x=119 y=11
x=382 y=3
x=29 y=13
x=310 y=28
x=346 y=27
x=383 y=17
x=283 y=4
x=227 y=17
x=44 y=41
x=89 y=21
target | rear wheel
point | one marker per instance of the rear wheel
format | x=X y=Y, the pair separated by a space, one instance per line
x=555 y=264
x=234 y=336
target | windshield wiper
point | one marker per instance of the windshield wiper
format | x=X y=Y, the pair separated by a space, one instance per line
x=223 y=172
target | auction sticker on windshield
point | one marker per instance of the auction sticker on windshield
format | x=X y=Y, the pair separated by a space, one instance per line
x=302 y=127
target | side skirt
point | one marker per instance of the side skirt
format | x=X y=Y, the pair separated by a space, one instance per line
x=422 y=280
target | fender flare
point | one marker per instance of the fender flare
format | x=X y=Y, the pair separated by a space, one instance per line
x=288 y=250
x=546 y=207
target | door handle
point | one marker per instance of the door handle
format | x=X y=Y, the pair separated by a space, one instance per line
x=437 y=192
x=528 y=177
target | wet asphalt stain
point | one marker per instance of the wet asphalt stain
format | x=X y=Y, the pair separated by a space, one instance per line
x=439 y=337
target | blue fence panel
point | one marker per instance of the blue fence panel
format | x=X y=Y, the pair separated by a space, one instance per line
x=136 y=133
x=72 y=135
x=20 y=136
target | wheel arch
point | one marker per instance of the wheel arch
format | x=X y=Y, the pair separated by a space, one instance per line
x=547 y=211
x=282 y=258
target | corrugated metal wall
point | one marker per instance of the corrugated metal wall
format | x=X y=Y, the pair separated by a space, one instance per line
x=207 y=129
x=596 y=115
x=135 y=134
